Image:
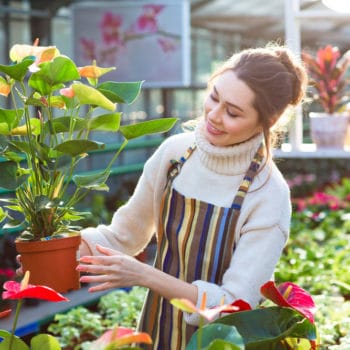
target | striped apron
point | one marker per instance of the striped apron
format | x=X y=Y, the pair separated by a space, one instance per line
x=195 y=242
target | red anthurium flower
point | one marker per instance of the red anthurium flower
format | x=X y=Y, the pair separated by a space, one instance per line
x=16 y=290
x=5 y=313
x=290 y=295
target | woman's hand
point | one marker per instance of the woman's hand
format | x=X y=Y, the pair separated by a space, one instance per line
x=111 y=269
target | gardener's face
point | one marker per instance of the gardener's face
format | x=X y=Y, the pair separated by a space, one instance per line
x=229 y=113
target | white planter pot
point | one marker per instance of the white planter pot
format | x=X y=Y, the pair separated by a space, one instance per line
x=329 y=130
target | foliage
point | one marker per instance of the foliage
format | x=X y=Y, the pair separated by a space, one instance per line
x=327 y=76
x=316 y=258
x=288 y=325
x=77 y=328
x=58 y=109
x=20 y=291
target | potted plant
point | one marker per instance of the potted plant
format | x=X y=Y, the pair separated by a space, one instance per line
x=55 y=110
x=328 y=81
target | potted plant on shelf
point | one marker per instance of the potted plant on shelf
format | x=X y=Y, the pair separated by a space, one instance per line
x=48 y=128
x=328 y=83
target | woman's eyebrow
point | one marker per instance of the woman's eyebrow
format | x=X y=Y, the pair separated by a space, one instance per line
x=229 y=103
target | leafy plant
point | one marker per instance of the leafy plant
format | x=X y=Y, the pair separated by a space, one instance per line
x=286 y=326
x=58 y=108
x=327 y=71
x=20 y=291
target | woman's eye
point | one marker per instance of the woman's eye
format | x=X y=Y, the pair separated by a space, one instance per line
x=214 y=98
x=232 y=114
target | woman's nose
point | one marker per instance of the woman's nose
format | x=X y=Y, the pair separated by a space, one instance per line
x=215 y=112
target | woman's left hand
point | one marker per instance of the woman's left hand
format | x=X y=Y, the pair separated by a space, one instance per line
x=111 y=269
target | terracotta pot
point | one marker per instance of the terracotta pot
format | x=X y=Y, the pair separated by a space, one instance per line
x=52 y=263
x=329 y=130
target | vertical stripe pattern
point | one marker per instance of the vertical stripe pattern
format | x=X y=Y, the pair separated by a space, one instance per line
x=195 y=242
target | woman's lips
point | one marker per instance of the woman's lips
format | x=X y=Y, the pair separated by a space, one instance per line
x=213 y=130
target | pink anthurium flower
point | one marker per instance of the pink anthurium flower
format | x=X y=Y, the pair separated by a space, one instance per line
x=290 y=295
x=67 y=92
x=120 y=336
x=209 y=313
x=16 y=290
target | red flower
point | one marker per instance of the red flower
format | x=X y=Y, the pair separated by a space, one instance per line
x=16 y=290
x=290 y=295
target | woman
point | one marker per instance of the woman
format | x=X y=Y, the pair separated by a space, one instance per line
x=214 y=198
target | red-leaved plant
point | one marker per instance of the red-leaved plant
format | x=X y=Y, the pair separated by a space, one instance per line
x=327 y=70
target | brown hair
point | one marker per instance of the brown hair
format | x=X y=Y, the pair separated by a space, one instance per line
x=277 y=78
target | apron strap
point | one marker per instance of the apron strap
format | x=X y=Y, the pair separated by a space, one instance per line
x=248 y=178
x=176 y=165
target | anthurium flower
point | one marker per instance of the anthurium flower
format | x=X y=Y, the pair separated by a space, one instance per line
x=290 y=295
x=118 y=337
x=16 y=290
x=42 y=53
x=93 y=71
x=209 y=313
x=5 y=87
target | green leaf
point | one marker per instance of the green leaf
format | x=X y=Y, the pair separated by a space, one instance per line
x=211 y=333
x=94 y=181
x=105 y=122
x=268 y=327
x=44 y=341
x=17 y=71
x=91 y=96
x=76 y=147
x=9 y=119
x=52 y=75
x=17 y=344
x=121 y=92
x=63 y=124
x=148 y=127
x=9 y=178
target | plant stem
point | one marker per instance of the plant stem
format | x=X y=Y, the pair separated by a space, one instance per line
x=19 y=304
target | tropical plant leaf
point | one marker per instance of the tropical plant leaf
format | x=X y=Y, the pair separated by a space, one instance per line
x=264 y=328
x=117 y=92
x=214 y=331
x=76 y=147
x=148 y=127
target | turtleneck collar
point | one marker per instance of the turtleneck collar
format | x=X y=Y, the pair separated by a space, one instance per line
x=231 y=160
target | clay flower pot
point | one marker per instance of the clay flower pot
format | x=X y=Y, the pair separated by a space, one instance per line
x=52 y=262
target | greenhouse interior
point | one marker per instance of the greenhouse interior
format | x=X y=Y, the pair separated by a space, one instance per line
x=137 y=73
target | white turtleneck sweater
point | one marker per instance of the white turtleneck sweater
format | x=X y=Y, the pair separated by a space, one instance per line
x=211 y=174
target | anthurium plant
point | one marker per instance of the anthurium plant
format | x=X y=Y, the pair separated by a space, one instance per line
x=54 y=109
x=284 y=321
x=116 y=338
x=327 y=71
